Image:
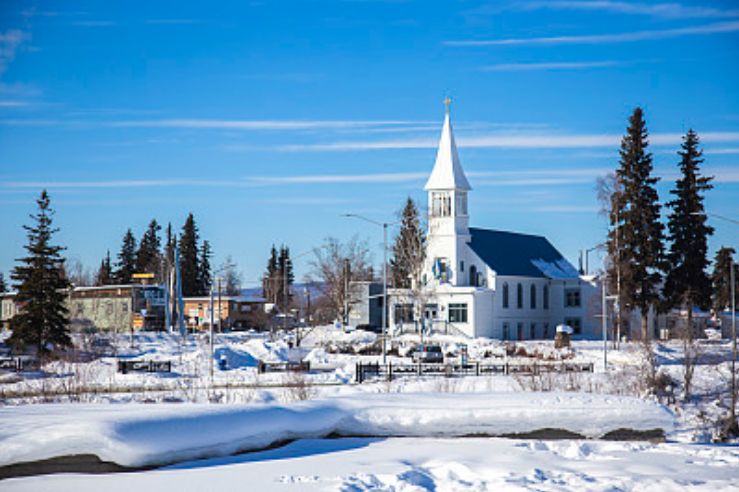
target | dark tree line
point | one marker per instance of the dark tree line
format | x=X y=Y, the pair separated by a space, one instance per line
x=650 y=265
x=279 y=278
x=151 y=256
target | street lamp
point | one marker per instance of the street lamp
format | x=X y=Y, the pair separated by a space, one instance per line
x=384 y=226
x=732 y=280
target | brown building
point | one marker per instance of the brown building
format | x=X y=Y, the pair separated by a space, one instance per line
x=236 y=311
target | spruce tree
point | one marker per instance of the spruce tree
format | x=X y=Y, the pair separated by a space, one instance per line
x=149 y=256
x=205 y=279
x=636 y=235
x=3 y=285
x=41 y=285
x=269 y=285
x=721 y=280
x=409 y=248
x=285 y=277
x=105 y=273
x=169 y=247
x=189 y=258
x=126 y=265
x=687 y=283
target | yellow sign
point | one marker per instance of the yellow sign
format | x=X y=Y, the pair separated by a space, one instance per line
x=138 y=321
x=142 y=275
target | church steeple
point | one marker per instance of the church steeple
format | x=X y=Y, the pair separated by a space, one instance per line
x=447 y=173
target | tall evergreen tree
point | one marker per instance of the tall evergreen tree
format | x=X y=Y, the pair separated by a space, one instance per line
x=205 y=278
x=149 y=256
x=105 y=273
x=169 y=248
x=3 y=285
x=270 y=278
x=636 y=235
x=126 y=265
x=721 y=280
x=409 y=248
x=189 y=258
x=285 y=278
x=41 y=285
x=687 y=283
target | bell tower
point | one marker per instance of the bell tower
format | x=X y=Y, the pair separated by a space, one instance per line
x=448 y=219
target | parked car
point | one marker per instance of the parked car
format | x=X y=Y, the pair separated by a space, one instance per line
x=428 y=353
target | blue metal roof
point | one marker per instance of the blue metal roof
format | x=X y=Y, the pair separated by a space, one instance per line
x=511 y=253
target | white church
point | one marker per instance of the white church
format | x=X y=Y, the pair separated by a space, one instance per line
x=485 y=282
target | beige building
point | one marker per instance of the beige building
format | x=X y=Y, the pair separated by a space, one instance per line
x=235 y=311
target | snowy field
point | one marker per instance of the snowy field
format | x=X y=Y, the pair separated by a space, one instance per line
x=410 y=434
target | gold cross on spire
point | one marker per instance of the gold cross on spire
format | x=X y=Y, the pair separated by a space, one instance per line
x=447 y=103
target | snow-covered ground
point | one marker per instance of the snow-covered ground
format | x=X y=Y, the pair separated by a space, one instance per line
x=431 y=464
x=90 y=400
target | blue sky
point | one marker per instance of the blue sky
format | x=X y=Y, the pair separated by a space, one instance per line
x=268 y=120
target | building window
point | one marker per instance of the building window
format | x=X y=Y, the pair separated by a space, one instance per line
x=505 y=295
x=441 y=269
x=461 y=266
x=519 y=328
x=403 y=313
x=458 y=313
x=533 y=296
x=506 y=331
x=572 y=297
x=575 y=324
x=461 y=204
x=545 y=297
x=519 y=296
x=473 y=276
x=441 y=205
x=532 y=331
x=546 y=331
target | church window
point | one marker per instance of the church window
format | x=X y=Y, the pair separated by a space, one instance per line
x=519 y=329
x=473 y=276
x=461 y=204
x=506 y=331
x=519 y=296
x=532 y=331
x=458 y=313
x=505 y=295
x=546 y=331
x=545 y=297
x=461 y=266
x=441 y=204
x=572 y=298
x=403 y=313
x=576 y=325
x=533 y=296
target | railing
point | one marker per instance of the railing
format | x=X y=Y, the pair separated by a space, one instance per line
x=302 y=366
x=13 y=363
x=369 y=370
x=126 y=366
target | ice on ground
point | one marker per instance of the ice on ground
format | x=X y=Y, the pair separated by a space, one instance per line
x=140 y=435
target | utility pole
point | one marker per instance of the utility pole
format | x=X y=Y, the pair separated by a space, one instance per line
x=220 y=314
x=733 y=344
x=384 y=292
x=212 y=305
x=346 y=291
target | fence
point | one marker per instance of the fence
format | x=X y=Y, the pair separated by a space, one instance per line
x=389 y=371
x=126 y=366
x=13 y=363
x=302 y=366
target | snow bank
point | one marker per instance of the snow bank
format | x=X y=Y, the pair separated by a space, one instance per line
x=140 y=435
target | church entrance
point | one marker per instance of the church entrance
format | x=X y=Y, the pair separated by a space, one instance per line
x=430 y=313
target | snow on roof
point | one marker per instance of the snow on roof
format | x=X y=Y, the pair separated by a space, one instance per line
x=447 y=173
x=524 y=255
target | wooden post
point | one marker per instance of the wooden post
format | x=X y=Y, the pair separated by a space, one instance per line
x=477 y=368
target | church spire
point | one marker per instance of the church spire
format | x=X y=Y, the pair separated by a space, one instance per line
x=447 y=173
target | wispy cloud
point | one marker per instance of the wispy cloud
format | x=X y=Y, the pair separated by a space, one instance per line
x=510 y=141
x=341 y=178
x=663 y=10
x=172 y=21
x=10 y=40
x=722 y=151
x=13 y=104
x=260 y=124
x=528 y=67
x=716 y=28
x=93 y=23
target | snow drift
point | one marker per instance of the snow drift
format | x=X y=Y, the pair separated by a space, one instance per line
x=147 y=435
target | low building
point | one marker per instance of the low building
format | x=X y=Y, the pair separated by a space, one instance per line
x=235 y=311
x=116 y=308
x=365 y=305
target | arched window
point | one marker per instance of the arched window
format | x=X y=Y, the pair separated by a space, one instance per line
x=505 y=295
x=546 y=297
x=473 y=276
x=519 y=296
x=533 y=296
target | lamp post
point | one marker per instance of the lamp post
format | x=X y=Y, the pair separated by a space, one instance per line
x=732 y=280
x=384 y=226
